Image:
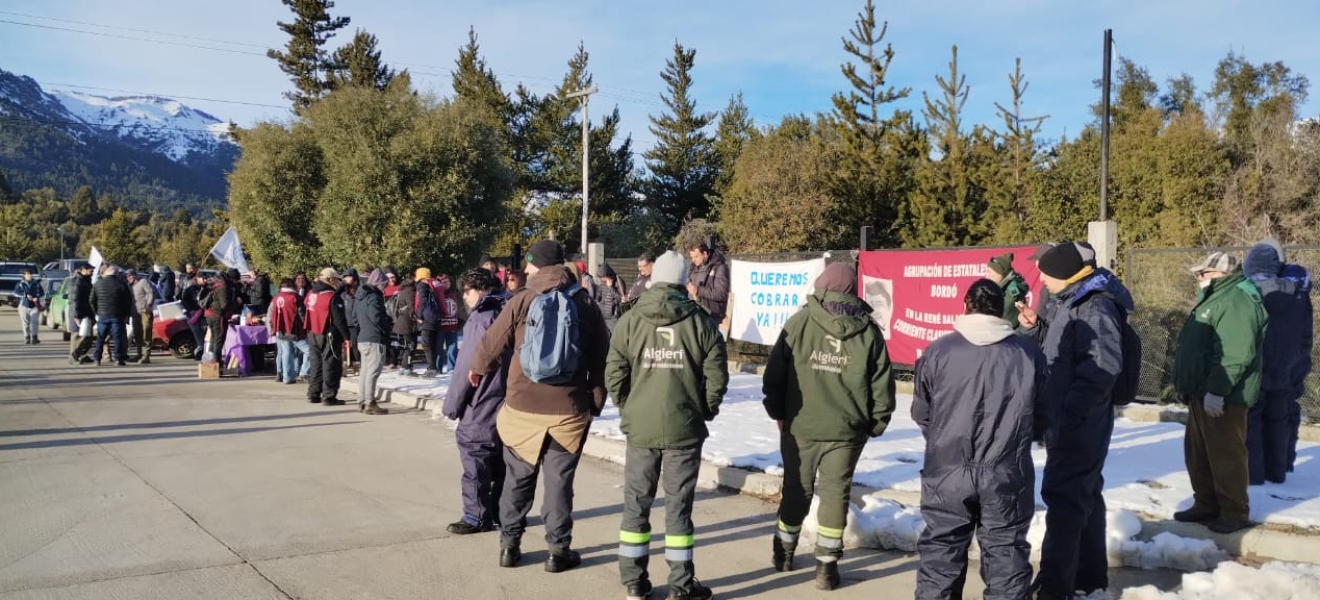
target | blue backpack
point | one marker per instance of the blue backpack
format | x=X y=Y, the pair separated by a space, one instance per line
x=552 y=341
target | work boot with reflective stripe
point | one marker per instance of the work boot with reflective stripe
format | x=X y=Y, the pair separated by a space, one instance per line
x=785 y=544
x=827 y=574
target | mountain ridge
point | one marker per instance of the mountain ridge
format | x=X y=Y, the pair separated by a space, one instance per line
x=149 y=151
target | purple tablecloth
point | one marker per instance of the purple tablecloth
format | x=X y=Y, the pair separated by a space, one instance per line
x=239 y=338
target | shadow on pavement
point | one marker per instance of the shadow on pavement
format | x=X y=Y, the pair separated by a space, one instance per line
x=88 y=441
x=164 y=424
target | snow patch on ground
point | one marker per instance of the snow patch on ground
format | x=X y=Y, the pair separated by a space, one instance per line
x=887 y=525
x=1144 y=473
x=1233 y=581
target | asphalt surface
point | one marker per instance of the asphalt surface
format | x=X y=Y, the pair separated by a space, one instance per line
x=144 y=482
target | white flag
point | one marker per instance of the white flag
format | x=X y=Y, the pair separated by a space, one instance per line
x=230 y=252
x=96 y=260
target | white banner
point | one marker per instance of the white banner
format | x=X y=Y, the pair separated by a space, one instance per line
x=765 y=295
x=230 y=252
x=96 y=260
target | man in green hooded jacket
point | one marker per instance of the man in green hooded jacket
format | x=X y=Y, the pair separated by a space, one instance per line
x=829 y=385
x=667 y=370
x=1000 y=270
x=1217 y=373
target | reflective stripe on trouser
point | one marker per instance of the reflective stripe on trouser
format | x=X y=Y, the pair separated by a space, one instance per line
x=644 y=470
x=822 y=469
x=788 y=534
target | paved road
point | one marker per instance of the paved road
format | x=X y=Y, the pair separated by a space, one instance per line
x=144 y=482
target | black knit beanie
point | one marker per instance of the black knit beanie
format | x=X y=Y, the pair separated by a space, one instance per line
x=1061 y=262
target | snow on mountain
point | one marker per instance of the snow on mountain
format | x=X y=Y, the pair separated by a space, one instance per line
x=161 y=125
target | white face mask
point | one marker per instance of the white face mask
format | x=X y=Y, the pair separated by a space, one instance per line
x=1205 y=283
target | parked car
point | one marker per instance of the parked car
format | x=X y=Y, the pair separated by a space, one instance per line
x=51 y=287
x=58 y=310
x=175 y=336
x=67 y=264
x=10 y=274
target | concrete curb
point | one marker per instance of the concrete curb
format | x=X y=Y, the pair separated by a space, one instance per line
x=1259 y=543
x=1156 y=413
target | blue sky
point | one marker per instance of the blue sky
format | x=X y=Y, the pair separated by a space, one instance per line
x=783 y=55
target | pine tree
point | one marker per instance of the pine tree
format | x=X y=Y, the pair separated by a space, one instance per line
x=473 y=80
x=305 y=59
x=1009 y=188
x=731 y=135
x=358 y=63
x=879 y=154
x=546 y=143
x=683 y=161
x=947 y=208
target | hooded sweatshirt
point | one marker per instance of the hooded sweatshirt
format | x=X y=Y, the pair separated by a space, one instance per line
x=476 y=408
x=667 y=370
x=828 y=377
x=978 y=398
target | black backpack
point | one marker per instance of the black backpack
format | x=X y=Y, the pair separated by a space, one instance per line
x=1129 y=379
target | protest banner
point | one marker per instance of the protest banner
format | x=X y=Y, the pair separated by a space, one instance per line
x=765 y=295
x=915 y=295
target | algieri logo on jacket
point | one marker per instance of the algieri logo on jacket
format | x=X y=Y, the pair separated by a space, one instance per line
x=833 y=361
x=664 y=358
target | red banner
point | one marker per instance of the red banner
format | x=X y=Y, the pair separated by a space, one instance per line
x=916 y=294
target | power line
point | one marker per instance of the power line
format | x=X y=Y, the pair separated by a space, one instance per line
x=31 y=121
x=133 y=29
x=161 y=95
x=126 y=37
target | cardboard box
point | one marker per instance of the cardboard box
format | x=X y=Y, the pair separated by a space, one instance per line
x=208 y=370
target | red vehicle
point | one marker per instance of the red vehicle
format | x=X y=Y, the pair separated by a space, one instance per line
x=174 y=336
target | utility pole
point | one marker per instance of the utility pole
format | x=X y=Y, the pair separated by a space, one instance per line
x=1104 y=127
x=1103 y=234
x=585 y=94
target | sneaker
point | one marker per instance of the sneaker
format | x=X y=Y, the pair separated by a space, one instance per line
x=290 y=382
x=562 y=560
x=332 y=402
x=698 y=592
x=146 y=360
x=462 y=527
x=639 y=590
x=75 y=362
x=374 y=409
x=314 y=400
x=86 y=360
x=408 y=372
x=827 y=575
x=1196 y=514
x=1227 y=525
x=509 y=557
x=428 y=374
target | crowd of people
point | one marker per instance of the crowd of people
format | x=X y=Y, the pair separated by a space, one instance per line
x=544 y=347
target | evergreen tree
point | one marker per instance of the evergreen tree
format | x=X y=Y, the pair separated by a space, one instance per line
x=304 y=58
x=1011 y=188
x=683 y=162
x=875 y=172
x=5 y=190
x=474 y=81
x=1243 y=89
x=83 y=208
x=546 y=143
x=358 y=63
x=947 y=208
x=731 y=136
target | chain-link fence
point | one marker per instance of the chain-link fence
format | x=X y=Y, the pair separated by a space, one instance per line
x=1165 y=291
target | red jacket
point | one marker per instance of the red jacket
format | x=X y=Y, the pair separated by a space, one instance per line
x=284 y=318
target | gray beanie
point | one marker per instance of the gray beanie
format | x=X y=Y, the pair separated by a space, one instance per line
x=669 y=268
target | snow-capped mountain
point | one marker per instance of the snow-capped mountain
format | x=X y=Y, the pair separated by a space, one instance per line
x=162 y=125
x=150 y=152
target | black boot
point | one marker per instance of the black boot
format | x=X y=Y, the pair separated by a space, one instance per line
x=783 y=555
x=562 y=560
x=509 y=557
x=827 y=575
